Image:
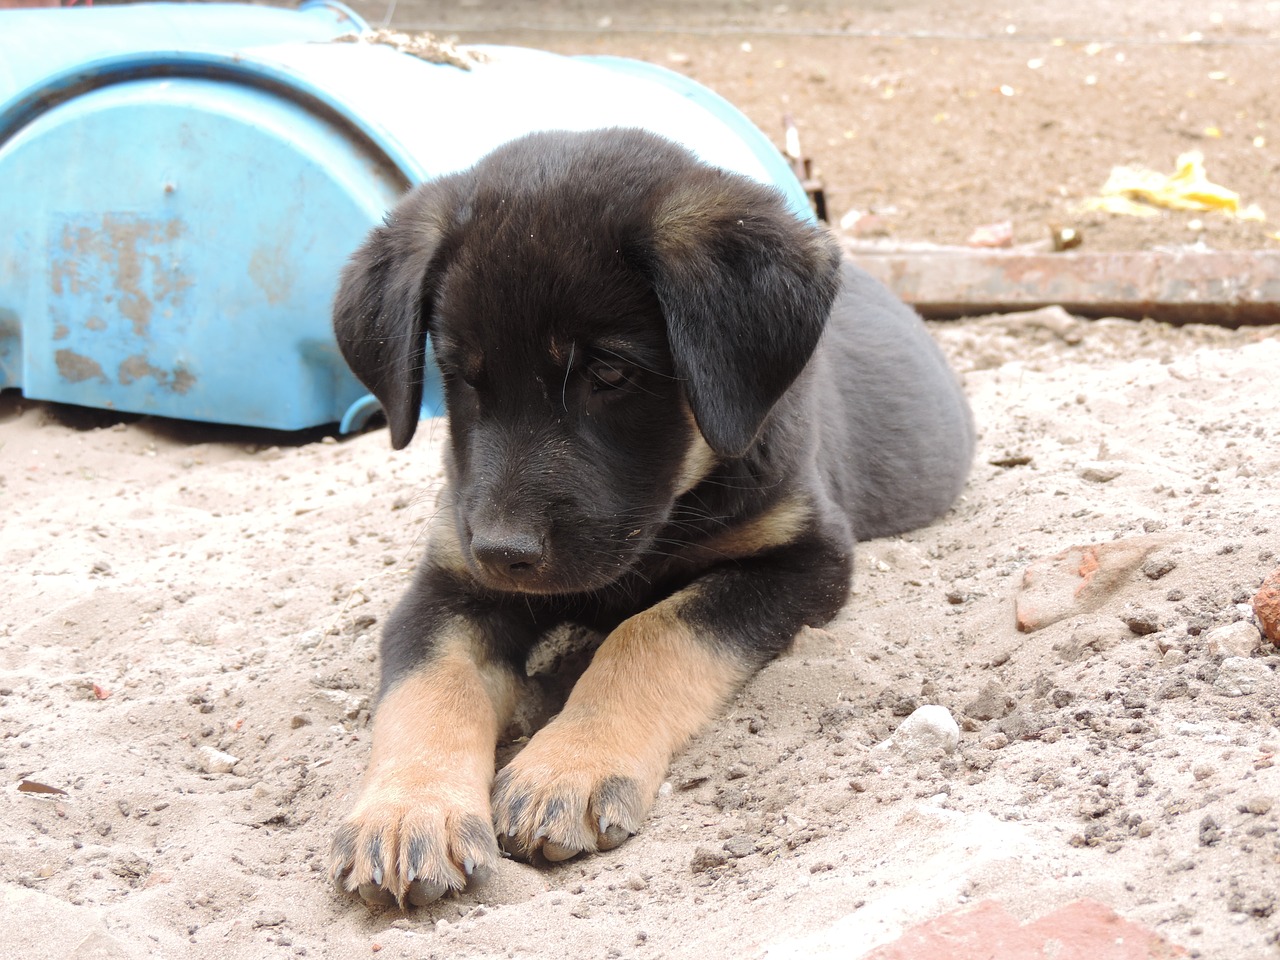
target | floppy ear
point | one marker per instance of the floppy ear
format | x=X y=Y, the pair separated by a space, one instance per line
x=384 y=302
x=746 y=287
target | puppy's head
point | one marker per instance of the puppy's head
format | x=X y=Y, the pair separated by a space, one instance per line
x=610 y=317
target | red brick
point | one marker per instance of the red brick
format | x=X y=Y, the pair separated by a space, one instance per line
x=1083 y=930
x=1266 y=606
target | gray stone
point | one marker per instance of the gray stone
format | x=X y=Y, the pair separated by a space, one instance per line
x=1241 y=676
x=991 y=703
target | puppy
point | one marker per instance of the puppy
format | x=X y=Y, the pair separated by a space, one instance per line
x=672 y=410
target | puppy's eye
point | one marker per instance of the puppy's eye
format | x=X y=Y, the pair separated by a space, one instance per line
x=472 y=377
x=608 y=376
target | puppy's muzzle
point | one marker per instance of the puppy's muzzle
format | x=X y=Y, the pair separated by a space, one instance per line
x=504 y=554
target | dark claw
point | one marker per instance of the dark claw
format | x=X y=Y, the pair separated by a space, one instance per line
x=617 y=802
x=375 y=860
x=342 y=854
x=421 y=851
x=512 y=846
x=612 y=814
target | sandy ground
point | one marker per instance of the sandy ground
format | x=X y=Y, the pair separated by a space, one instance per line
x=177 y=592
x=927 y=119
x=188 y=635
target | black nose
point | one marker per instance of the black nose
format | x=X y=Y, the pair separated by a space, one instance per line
x=507 y=553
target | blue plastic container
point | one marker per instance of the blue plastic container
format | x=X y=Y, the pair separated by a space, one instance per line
x=181 y=184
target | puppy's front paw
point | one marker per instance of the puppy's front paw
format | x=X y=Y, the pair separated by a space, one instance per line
x=563 y=795
x=410 y=840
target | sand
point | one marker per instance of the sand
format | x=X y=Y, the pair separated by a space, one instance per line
x=188 y=647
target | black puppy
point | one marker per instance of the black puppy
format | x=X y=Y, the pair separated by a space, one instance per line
x=673 y=409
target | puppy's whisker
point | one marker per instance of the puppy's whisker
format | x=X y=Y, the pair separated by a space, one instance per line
x=568 y=368
x=631 y=362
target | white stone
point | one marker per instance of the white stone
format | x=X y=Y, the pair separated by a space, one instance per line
x=929 y=729
x=1239 y=639
x=215 y=761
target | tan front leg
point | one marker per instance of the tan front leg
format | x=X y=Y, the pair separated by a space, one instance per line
x=421 y=824
x=586 y=781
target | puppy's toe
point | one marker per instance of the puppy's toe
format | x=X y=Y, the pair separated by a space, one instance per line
x=558 y=815
x=613 y=836
x=421 y=893
x=410 y=853
x=375 y=895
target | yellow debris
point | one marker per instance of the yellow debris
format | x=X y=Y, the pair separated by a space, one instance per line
x=1135 y=191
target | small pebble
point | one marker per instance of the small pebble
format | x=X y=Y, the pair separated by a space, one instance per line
x=1159 y=566
x=1140 y=620
x=1210 y=831
x=704 y=859
x=1100 y=471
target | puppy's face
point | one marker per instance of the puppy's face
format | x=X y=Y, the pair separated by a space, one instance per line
x=610 y=317
x=570 y=432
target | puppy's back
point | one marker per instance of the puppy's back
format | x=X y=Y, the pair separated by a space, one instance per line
x=897 y=432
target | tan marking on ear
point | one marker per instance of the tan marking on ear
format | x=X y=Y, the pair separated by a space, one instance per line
x=779 y=525
x=699 y=461
x=691 y=213
x=651 y=686
x=430 y=771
